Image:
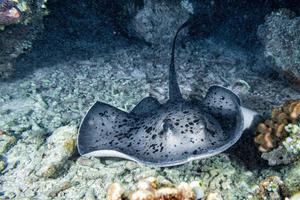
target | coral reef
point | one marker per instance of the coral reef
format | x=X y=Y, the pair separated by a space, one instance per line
x=279 y=137
x=273 y=131
x=280 y=36
x=271 y=187
x=150 y=188
x=20 y=23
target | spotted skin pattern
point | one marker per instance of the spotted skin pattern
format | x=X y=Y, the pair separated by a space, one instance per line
x=164 y=134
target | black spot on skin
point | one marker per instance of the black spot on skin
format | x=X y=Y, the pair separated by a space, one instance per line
x=161 y=148
x=148 y=130
x=195 y=152
x=120 y=125
x=156 y=150
x=196 y=120
x=154 y=136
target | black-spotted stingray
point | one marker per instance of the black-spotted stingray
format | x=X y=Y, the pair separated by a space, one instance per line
x=168 y=134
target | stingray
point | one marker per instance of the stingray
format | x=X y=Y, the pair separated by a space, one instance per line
x=168 y=134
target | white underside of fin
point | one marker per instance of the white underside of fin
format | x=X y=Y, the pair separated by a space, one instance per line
x=249 y=116
x=109 y=153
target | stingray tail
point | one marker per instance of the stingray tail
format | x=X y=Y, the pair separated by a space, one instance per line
x=174 y=91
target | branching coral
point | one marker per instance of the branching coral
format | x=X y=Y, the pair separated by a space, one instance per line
x=272 y=132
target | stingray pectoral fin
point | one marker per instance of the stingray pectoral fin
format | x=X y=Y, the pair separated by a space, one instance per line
x=221 y=101
x=219 y=91
x=225 y=107
x=251 y=118
x=101 y=123
x=146 y=106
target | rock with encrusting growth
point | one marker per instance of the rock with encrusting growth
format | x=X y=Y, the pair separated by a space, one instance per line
x=278 y=156
x=60 y=147
x=271 y=187
x=151 y=189
x=291 y=177
x=214 y=196
x=6 y=141
x=157 y=17
x=2 y=165
x=280 y=36
x=115 y=192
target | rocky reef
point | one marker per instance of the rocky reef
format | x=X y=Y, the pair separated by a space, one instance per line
x=280 y=36
x=20 y=23
x=156 y=17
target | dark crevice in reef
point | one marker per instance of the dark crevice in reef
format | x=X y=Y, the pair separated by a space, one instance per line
x=72 y=30
x=237 y=21
x=71 y=21
x=81 y=29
